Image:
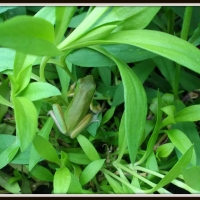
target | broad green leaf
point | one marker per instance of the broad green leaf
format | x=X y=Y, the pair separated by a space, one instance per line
x=28 y=34
x=88 y=148
x=61 y=181
x=90 y=171
x=11 y=187
x=8 y=154
x=175 y=170
x=135 y=98
x=39 y=90
x=45 y=149
x=25 y=113
x=192 y=177
x=7 y=57
x=190 y=113
x=41 y=173
x=181 y=142
x=44 y=132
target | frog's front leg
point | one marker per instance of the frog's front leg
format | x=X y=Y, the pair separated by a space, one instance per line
x=58 y=117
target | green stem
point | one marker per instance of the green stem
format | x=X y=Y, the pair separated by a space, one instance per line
x=184 y=35
x=135 y=189
x=42 y=67
x=161 y=190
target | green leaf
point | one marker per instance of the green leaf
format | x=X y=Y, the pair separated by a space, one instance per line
x=11 y=187
x=47 y=13
x=154 y=135
x=63 y=17
x=8 y=154
x=195 y=39
x=189 y=129
x=105 y=74
x=41 y=173
x=175 y=171
x=181 y=142
x=79 y=158
x=45 y=149
x=134 y=96
x=26 y=121
x=164 y=150
x=90 y=171
x=117 y=188
x=88 y=148
x=132 y=17
x=119 y=95
x=28 y=34
x=44 y=132
x=108 y=115
x=7 y=57
x=161 y=43
x=61 y=182
x=192 y=177
x=75 y=186
x=121 y=139
x=191 y=113
x=23 y=78
x=5 y=8
x=125 y=52
x=4 y=98
x=39 y=90
x=83 y=27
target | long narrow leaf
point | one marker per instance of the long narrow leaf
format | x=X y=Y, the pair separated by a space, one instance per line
x=135 y=105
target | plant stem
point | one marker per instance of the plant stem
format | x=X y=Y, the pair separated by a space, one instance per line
x=161 y=190
x=42 y=67
x=184 y=35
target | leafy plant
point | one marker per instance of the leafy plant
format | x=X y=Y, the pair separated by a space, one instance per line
x=145 y=64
